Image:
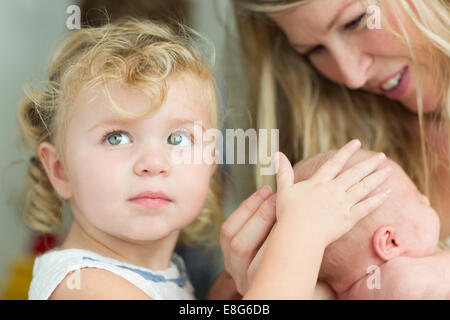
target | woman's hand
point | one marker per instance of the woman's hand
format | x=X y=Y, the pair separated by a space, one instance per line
x=224 y=288
x=243 y=233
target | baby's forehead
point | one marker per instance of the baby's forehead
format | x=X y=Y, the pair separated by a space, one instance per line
x=400 y=182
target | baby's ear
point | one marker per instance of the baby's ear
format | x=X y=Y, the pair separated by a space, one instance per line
x=54 y=169
x=386 y=244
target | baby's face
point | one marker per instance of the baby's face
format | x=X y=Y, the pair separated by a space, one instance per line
x=112 y=159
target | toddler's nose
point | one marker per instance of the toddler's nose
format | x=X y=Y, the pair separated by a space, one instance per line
x=152 y=165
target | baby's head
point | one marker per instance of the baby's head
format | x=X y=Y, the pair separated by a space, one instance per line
x=404 y=225
x=121 y=101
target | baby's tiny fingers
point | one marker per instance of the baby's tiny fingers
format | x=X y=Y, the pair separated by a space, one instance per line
x=359 y=171
x=365 y=207
x=360 y=190
x=331 y=168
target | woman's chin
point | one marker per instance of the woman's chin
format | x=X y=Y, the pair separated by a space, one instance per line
x=428 y=105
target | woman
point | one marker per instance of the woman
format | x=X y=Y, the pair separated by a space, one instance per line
x=323 y=75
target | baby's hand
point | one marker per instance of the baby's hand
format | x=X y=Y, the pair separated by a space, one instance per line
x=328 y=202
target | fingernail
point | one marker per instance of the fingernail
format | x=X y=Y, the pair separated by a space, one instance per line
x=264 y=192
x=426 y=200
x=382 y=156
x=276 y=157
x=356 y=143
x=274 y=199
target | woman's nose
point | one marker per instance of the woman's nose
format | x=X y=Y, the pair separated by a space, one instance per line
x=353 y=65
x=152 y=162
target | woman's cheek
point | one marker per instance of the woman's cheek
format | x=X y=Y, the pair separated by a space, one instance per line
x=382 y=43
x=327 y=66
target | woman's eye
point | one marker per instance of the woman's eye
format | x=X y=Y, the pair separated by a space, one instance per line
x=116 y=138
x=355 y=23
x=180 y=138
x=316 y=49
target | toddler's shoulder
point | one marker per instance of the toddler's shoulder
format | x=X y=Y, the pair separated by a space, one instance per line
x=92 y=283
x=78 y=274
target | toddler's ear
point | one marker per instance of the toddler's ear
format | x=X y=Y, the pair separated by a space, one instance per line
x=54 y=169
x=386 y=244
x=217 y=156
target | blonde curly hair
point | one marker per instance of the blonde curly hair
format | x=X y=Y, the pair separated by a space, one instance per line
x=141 y=53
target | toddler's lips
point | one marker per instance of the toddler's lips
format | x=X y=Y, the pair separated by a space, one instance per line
x=151 y=203
x=151 y=199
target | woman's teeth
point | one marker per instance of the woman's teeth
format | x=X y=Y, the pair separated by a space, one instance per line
x=393 y=82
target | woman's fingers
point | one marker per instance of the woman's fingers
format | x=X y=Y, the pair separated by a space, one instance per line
x=359 y=171
x=245 y=210
x=249 y=239
x=238 y=219
x=360 y=190
x=285 y=173
x=331 y=168
x=363 y=208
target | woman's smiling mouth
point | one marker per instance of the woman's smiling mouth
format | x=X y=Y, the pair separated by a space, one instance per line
x=395 y=86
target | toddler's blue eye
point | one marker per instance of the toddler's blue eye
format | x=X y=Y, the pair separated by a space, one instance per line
x=180 y=138
x=116 y=138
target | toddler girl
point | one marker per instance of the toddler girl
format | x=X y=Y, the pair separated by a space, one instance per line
x=122 y=101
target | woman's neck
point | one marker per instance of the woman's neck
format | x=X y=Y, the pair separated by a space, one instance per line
x=154 y=254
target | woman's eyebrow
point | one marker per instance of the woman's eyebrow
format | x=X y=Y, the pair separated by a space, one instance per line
x=339 y=12
x=330 y=25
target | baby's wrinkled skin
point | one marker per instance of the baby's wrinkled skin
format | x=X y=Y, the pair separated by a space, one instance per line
x=399 y=239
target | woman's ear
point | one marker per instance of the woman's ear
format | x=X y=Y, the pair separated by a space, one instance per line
x=54 y=169
x=386 y=244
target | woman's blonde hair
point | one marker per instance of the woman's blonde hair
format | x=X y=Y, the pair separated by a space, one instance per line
x=315 y=114
x=142 y=54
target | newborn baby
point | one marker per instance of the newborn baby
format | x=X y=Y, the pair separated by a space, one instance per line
x=391 y=253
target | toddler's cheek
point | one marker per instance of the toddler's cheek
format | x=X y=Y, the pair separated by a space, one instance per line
x=98 y=194
x=194 y=186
